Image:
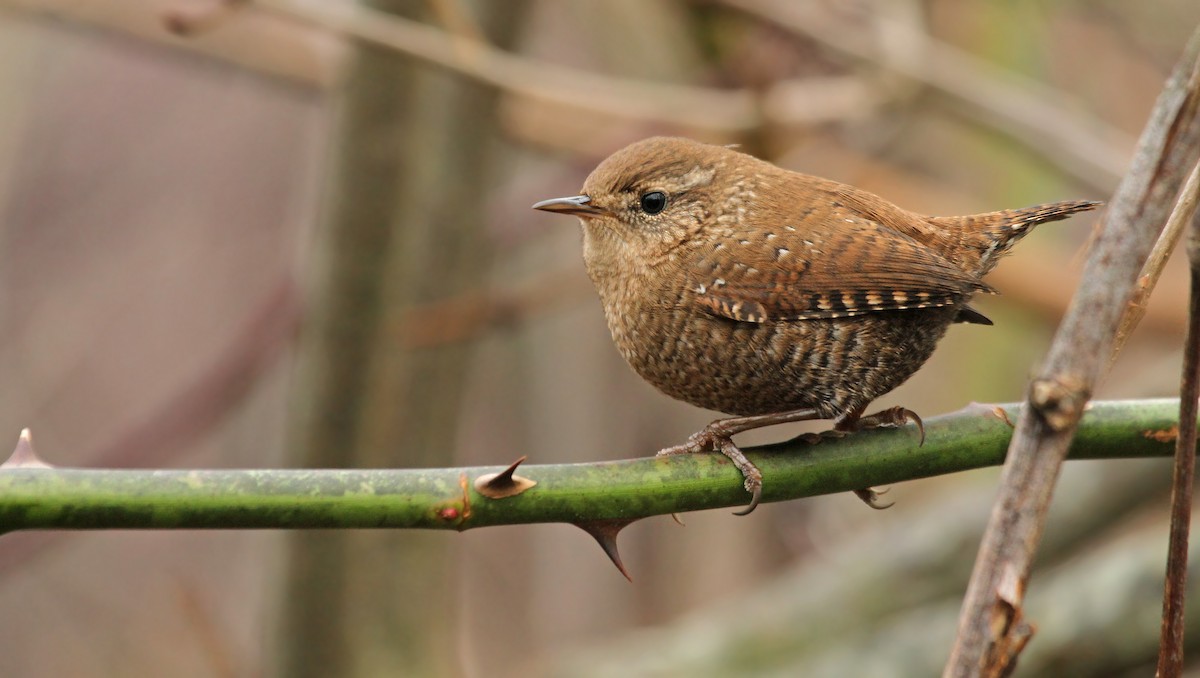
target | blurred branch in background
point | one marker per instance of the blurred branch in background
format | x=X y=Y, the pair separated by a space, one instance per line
x=403 y=225
x=698 y=108
x=1035 y=115
x=260 y=44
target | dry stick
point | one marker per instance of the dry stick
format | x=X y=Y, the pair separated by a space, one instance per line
x=991 y=630
x=1170 y=653
x=1185 y=207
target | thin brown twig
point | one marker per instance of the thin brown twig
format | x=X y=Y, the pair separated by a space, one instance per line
x=1168 y=149
x=1170 y=653
x=1185 y=207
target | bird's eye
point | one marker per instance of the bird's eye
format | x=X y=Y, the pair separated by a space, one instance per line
x=653 y=202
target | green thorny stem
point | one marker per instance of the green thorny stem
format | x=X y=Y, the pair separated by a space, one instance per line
x=36 y=496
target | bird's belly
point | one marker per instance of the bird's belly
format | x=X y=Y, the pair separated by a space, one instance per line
x=831 y=365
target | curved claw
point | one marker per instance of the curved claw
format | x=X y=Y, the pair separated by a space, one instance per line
x=753 y=477
x=755 y=498
x=870 y=497
x=899 y=416
x=891 y=417
x=916 y=419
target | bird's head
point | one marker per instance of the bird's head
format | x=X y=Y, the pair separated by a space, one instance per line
x=650 y=196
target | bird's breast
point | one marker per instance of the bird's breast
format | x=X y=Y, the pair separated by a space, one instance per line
x=746 y=368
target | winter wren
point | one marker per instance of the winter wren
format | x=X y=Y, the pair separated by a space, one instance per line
x=738 y=286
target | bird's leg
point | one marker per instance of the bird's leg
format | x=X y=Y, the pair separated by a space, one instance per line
x=891 y=417
x=718 y=436
x=710 y=436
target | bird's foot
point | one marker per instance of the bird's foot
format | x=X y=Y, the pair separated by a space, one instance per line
x=893 y=417
x=718 y=436
x=715 y=437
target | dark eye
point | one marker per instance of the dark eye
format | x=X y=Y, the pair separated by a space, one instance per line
x=653 y=202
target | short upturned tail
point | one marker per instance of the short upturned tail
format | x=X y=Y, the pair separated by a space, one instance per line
x=991 y=235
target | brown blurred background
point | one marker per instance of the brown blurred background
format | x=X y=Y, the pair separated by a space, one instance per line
x=263 y=245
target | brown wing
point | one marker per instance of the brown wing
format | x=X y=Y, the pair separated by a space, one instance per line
x=845 y=266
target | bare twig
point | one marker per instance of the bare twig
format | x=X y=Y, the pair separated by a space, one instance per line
x=1030 y=112
x=1185 y=208
x=1168 y=149
x=1170 y=654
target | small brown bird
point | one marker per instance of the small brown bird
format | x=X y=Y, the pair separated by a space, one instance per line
x=738 y=286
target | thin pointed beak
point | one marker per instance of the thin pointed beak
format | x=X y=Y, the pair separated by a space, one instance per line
x=579 y=205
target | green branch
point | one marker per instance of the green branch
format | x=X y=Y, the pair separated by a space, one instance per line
x=33 y=496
